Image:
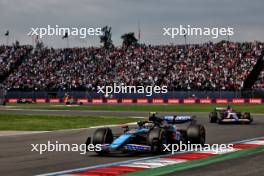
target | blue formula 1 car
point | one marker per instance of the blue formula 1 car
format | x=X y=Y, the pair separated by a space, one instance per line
x=150 y=136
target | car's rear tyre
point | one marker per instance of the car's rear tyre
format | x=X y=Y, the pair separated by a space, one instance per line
x=196 y=134
x=213 y=117
x=156 y=138
x=102 y=136
x=248 y=116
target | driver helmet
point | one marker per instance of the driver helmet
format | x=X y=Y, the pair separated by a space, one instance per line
x=152 y=114
x=229 y=108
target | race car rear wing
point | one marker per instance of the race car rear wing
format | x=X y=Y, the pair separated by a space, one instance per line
x=179 y=119
x=220 y=108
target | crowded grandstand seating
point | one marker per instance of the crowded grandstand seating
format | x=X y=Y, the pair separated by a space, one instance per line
x=208 y=66
x=260 y=82
x=10 y=55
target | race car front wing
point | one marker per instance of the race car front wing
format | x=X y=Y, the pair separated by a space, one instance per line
x=128 y=147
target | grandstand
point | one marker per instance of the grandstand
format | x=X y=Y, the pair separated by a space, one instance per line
x=260 y=82
x=2 y=95
x=10 y=58
x=223 y=66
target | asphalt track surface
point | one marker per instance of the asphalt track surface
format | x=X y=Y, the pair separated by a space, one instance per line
x=16 y=157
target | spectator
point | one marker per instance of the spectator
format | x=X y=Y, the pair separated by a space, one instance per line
x=208 y=66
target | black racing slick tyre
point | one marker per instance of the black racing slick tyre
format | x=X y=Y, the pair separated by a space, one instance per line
x=196 y=134
x=102 y=136
x=248 y=116
x=156 y=138
x=213 y=117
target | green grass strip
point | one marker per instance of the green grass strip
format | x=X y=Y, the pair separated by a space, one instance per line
x=196 y=163
x=253 y=108
x=19 y=122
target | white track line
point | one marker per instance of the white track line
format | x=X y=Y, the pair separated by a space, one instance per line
x=65 y=130
x=19 y=133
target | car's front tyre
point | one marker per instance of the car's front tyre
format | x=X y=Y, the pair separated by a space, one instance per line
x=213 y=117
x=156 y=138
x=102 y=136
